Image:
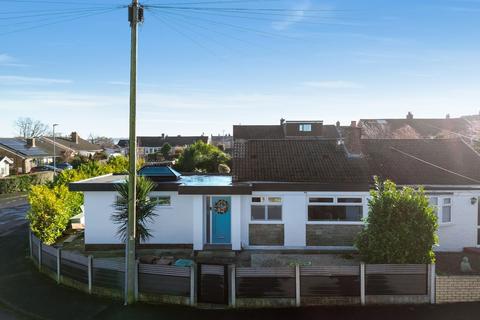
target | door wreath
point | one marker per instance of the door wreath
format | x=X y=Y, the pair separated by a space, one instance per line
x=221 y=206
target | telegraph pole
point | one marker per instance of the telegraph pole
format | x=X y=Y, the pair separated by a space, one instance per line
x=135 y=16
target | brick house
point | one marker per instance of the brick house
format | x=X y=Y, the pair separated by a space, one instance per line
x=25 y=154
x=71 y=145
x=147 y=145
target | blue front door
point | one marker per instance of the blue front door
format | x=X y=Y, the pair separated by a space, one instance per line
x=221 y=214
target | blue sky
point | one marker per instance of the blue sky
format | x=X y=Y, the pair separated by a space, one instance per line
x=202 y=72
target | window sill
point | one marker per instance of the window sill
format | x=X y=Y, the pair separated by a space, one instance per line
x=354 y=223
x=445 y=224
x=266 y=222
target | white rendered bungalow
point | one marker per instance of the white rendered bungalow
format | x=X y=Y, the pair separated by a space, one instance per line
x=288 y=193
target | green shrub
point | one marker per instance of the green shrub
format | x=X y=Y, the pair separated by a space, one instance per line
x=400 y=228
x=22 y=183
x=51 y=210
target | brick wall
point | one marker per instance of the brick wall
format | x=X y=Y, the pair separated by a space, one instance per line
x=331 y=235
x=457 y=288
x=266 y=234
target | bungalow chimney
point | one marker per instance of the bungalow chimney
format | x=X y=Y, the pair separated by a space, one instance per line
x=337 y=123
x=282 y=121
x=353 y=124
x=75 y=137
x=31 y=143
x=353 y=143
x=409 y=115
x=163 y=135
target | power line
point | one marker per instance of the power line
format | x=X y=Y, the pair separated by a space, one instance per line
x=78 y=16
x=434 y=165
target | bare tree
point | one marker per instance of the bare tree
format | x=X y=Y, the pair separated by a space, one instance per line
x=29 y=128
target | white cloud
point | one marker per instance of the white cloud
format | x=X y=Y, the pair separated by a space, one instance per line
x=22 y=80
x=333 y=84
x=8 y=61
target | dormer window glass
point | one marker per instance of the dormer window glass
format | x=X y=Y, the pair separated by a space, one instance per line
x=305 y=127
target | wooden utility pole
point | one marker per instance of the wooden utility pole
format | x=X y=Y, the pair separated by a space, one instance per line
x=135 y=16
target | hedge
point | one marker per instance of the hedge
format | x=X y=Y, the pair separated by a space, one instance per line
x=22 y=183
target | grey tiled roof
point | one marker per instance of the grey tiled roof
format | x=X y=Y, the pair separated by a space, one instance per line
x=412 y=162
x=19 y=146
x=319 y=161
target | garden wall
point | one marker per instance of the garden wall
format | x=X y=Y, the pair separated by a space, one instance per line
x=457 y=288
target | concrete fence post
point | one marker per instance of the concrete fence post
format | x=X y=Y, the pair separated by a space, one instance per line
x=363 y=300
x=40 y=255
x=58 y=264
x=297 y=285
x=233 y=289
x=192 y=284
x=90 y=274
x=432 y=282
x=136 y=281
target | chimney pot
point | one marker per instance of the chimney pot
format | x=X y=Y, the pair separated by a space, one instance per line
x=337 y=123
x=31 y=142
x=353 y=124
x=282 y=121
x=74 y=137
x=409 y=115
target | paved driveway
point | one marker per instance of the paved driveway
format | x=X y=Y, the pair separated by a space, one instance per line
x=26 y=294
x=13 y=210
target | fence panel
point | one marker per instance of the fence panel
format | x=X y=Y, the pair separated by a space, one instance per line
x=35 y=245
x=395 y=279
x=254 y=282
x=49 y=258
x=212 y=283
x=324 y=281
x=108 y=273
x=74 y=266
x=168 y=280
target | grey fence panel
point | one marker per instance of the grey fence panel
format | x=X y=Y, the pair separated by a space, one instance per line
x=265 y=282
x=108 y=273
x=396 y=279
x=35 y=244
x=74 y=270
x=325 y=281
x=75 y=257
x=168 y=280
x=49 y=258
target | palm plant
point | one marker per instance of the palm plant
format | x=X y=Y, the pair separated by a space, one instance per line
x=145 y=209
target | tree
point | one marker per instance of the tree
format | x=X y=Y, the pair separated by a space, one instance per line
x=165 y=150
x=201 y=157
x=29 y=128
x=145 y=209
x=400 y=228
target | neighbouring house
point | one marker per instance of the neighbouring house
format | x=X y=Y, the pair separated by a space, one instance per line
x=467 y=127
x=303 y=187
x=122 y=145
x=72 y=145
x=223 y=142
x=5 y=164
x=25 y=154
x=150 y=145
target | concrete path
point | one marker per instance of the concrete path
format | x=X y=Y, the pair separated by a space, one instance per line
x=26 y=294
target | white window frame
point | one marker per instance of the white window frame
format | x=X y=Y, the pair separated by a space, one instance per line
x=439 y=208
x=303 y=127
x=265 y=202
x=162 y=206
x=336 y=203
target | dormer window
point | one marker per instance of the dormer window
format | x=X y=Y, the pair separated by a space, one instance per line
x=305 y=127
